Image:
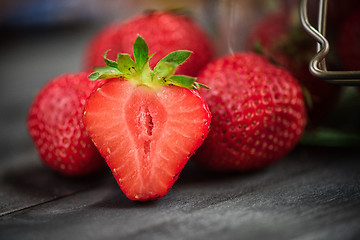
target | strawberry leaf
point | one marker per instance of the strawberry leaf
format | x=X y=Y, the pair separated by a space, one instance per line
x=176 y=57
x=167 y=66
x=94 y=76
x=125 y=64
x=141 y=53
x=181 y=81
x=104 y=73
x=164 y=69
x=109 y=62
x=184 y=81
x=199 y=85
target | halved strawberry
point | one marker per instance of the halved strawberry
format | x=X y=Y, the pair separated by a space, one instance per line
x=145 y=123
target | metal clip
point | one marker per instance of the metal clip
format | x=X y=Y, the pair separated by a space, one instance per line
x=317 y=64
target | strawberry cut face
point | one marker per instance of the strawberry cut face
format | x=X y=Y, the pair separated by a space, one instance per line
x=146 y=135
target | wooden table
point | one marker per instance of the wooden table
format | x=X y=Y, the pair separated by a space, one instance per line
x=312 y=193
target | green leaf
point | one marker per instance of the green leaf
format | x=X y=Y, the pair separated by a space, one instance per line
x=125 y=64
x=182 y=81
x=176 y=57
x=141 y=53
x=164 y=69
x=94 y=76
x=151 y=55
x=185 y=81
x=109 y=62
x=104 y=73
x=167 y=66
x=199 y=85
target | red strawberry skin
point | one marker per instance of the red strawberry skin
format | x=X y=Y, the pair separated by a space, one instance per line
x=286 y=43
x=163 y=31
x=146 y=136
x=55 y=125
x=258 y=113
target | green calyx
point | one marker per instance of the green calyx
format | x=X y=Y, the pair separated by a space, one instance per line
x=139 y=71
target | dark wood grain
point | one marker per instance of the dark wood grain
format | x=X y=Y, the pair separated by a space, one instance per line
x=311 y=194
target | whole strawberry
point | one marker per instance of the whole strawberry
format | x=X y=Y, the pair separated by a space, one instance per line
x=146 y=123
x=258 y=113
x=280 y=37
x=55 y=125
x=164 y=32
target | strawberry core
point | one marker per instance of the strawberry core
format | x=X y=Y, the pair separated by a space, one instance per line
x=145 y=125
x=145 y=116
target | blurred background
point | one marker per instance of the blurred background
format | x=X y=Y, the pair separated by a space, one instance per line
x=41 y=39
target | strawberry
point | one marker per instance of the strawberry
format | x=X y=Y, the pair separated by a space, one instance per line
x=146 y=123
x=55 y=125
x=258 y=113
x=283 y=41
x=164 y=31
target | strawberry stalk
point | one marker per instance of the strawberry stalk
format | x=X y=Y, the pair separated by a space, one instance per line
x=138 y=71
